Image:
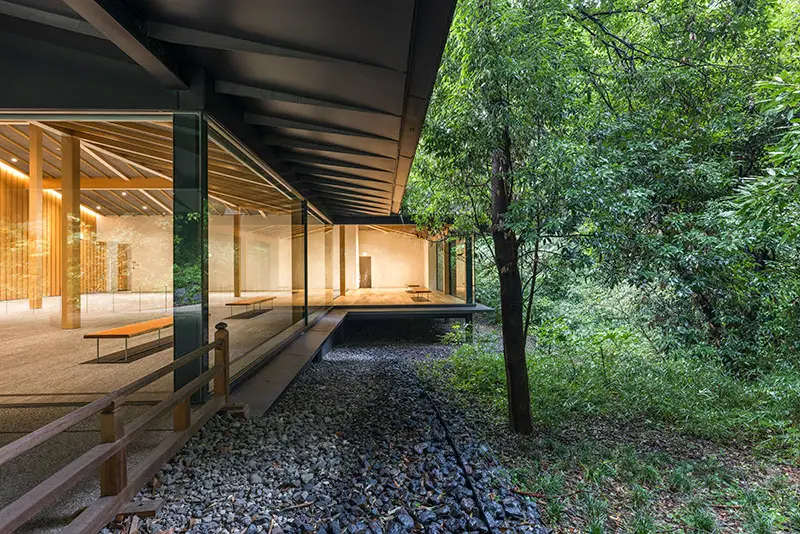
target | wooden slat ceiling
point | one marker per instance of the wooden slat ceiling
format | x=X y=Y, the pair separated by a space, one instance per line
x=126 y=168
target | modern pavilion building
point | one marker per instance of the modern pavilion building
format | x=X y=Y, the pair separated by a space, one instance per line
x=166 y=165
x=187 y=162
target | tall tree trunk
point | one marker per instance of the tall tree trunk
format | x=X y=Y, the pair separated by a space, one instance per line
x=506 y=249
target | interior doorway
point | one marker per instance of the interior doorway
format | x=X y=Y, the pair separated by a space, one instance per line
x=365 y=268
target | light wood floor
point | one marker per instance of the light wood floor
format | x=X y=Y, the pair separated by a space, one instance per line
x=42 y=364
x=392 y=296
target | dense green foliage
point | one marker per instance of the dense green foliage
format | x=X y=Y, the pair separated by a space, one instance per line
x=655 y=147
x=655 y=166
x=629 y=440
x=595 y=360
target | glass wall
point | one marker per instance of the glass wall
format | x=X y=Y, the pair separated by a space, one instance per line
x=256 y=258
x=440 y=266
x=455 y=275
x=272 y=266
x=320 y=266
x=80 y=255
x=337 y=257
x=460 y=275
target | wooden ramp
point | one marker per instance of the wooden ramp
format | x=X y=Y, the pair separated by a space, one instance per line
x=261 y=390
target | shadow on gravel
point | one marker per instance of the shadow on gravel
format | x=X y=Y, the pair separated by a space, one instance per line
x=383 y=331
x=355 y=445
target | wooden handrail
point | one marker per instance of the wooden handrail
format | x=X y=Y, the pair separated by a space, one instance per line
x=97 y=515
x=110 y=456
x=138 y=425
x=26 y=507
x=62 y=424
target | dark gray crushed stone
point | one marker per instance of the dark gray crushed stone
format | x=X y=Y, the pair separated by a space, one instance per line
x=354 y=446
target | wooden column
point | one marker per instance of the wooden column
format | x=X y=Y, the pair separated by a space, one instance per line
x=114 y=471
x=222 y=381
x=237 y=255
x=342 y=262
x=299 y=263
x=35 y=209
x=70 y=232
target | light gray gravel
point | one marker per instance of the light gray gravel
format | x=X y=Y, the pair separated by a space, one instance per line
x=355 y=445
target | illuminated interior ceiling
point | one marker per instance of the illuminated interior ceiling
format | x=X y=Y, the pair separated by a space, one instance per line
x=331 y=96
x=407 y=230
x=126 y=168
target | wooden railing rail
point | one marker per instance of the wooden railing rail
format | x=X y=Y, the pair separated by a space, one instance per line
x=110 y=456
x=54 y=428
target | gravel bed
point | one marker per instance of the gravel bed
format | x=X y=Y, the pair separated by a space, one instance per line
x=355 y=445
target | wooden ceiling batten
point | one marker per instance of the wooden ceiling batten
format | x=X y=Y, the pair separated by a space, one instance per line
x=104 y=163
x=51 y=163
x=125 y=202
x=103 y=200
x=136 y=158
x=133 y=197
x=94 y=200
x=131 y=162
x=156 y=201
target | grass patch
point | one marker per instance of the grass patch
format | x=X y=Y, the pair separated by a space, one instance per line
x=631 y=441
x=694 y=397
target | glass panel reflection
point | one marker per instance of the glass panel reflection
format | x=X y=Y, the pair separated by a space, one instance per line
x=394 y=265
x=320 y=266
x=118 y=274
x=461 y=269
x=256 y=259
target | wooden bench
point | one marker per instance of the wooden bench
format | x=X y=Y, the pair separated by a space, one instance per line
x=129 y=331
x=421 y=292
x=255 y=302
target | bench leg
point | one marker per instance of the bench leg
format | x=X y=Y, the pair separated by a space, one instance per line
x=126 y=349
x=98 y=350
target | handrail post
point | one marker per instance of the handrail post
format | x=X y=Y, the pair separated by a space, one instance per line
x=114 y=471
x=182 y=415
x=222 y=360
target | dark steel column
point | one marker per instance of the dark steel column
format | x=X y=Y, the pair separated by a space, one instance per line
x=300 y=263
x=304 y=205
x=190 y=243
x=469 y=257
x=448 y=273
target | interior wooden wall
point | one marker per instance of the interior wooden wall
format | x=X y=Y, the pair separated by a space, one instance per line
x=124 y=267
x=14 y=243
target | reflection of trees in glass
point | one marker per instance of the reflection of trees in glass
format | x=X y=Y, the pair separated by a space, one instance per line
x=188 y=270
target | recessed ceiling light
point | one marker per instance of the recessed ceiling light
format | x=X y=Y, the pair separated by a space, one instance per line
x=124 y=194
x=144 y=207
x=98 y=207
x=13 y=160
